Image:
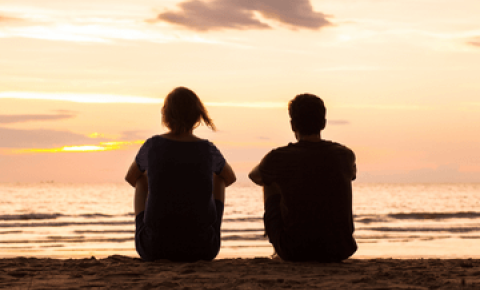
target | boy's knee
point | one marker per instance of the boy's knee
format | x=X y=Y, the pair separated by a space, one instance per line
x=270 y=190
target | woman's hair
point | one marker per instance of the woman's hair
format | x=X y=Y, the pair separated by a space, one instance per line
x=307 y=112
x=182 y=111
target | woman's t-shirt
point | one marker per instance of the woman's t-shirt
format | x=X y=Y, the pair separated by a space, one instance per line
x=180 y=176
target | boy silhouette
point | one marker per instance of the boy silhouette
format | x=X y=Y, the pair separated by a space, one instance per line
x=308 y=190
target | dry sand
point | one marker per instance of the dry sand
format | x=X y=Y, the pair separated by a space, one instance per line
x=121 y=272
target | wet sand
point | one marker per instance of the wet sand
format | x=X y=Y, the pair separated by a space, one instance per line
x=122 y=272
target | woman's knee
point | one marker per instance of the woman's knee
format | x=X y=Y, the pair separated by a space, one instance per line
x=218 y=188
x=142 y=182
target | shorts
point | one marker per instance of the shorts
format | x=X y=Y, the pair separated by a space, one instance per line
x=152 y=245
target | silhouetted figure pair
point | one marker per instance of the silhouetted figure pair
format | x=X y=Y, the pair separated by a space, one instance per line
x=180 y=183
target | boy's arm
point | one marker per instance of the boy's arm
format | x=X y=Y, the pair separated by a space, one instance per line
x=354 y=171
x=256 y=176
x=133 y=174
x=354 y=167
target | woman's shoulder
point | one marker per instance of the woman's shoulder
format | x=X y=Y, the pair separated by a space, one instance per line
x=180 y=138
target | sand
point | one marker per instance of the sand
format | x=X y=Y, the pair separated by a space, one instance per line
x=121 y=272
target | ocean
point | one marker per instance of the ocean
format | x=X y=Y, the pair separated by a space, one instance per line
x=68 y=220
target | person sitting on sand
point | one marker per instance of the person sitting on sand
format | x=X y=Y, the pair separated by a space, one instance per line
x=307 y=190
x=179 y=182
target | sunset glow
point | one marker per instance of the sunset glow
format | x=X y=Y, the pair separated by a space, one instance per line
x=104 y=146
x=83 y=82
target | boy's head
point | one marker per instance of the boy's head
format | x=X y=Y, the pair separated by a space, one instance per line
x=307 y=113
x=182 y=111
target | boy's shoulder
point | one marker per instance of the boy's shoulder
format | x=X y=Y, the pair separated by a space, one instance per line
x=324 y=145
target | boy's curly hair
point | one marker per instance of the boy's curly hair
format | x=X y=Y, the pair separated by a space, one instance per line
x=307 y=112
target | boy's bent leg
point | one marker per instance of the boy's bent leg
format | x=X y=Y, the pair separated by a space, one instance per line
x=141 y=194
x=273 y=218
x=270 y=190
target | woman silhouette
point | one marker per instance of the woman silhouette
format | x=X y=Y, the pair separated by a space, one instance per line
x=179 y=182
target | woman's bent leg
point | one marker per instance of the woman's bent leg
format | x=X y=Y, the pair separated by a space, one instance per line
x=142 y=241
x=218 y=188
x=141 y=194
x=219 y=197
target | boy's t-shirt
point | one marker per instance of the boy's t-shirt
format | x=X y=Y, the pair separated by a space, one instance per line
x=316 y=192
x=180 y=174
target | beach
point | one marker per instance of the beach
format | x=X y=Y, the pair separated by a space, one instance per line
x=409 y=237
x=122 y=272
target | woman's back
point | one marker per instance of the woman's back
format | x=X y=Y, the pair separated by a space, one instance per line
x=180 y=183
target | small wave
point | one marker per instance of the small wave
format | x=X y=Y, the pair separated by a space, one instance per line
x=425 y=229
x=64 y=240
x=436 y=215
x=64 y=224
x=30 y=216
x=470 y=237
x=242 y=230
x=246 y=219
x=52 y=216
x=104 y=232
x=367 y=219
x=243 y=238
x=82 y=239
x=10 y=232
x=371 y=219
x=95 y=215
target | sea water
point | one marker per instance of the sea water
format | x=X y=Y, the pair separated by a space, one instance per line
x=391 y=220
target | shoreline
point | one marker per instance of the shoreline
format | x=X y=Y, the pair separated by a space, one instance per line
x=122 y=272
x=427 y=249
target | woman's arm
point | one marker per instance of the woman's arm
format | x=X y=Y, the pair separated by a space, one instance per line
x=227 y=175
x=133 y=174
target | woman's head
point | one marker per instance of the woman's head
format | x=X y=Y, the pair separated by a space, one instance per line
x=183 y=111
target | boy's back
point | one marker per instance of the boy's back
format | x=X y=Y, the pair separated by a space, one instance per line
x=307 y=189
x=316 y=195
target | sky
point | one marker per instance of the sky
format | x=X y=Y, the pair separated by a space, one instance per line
x=82 y=82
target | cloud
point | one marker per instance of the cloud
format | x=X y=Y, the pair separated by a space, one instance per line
x=135 y=135
x=16 y=138
x=4 y=19
x=242 y=14
x=475 y=41
x=338 y=122
x=61 y=114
